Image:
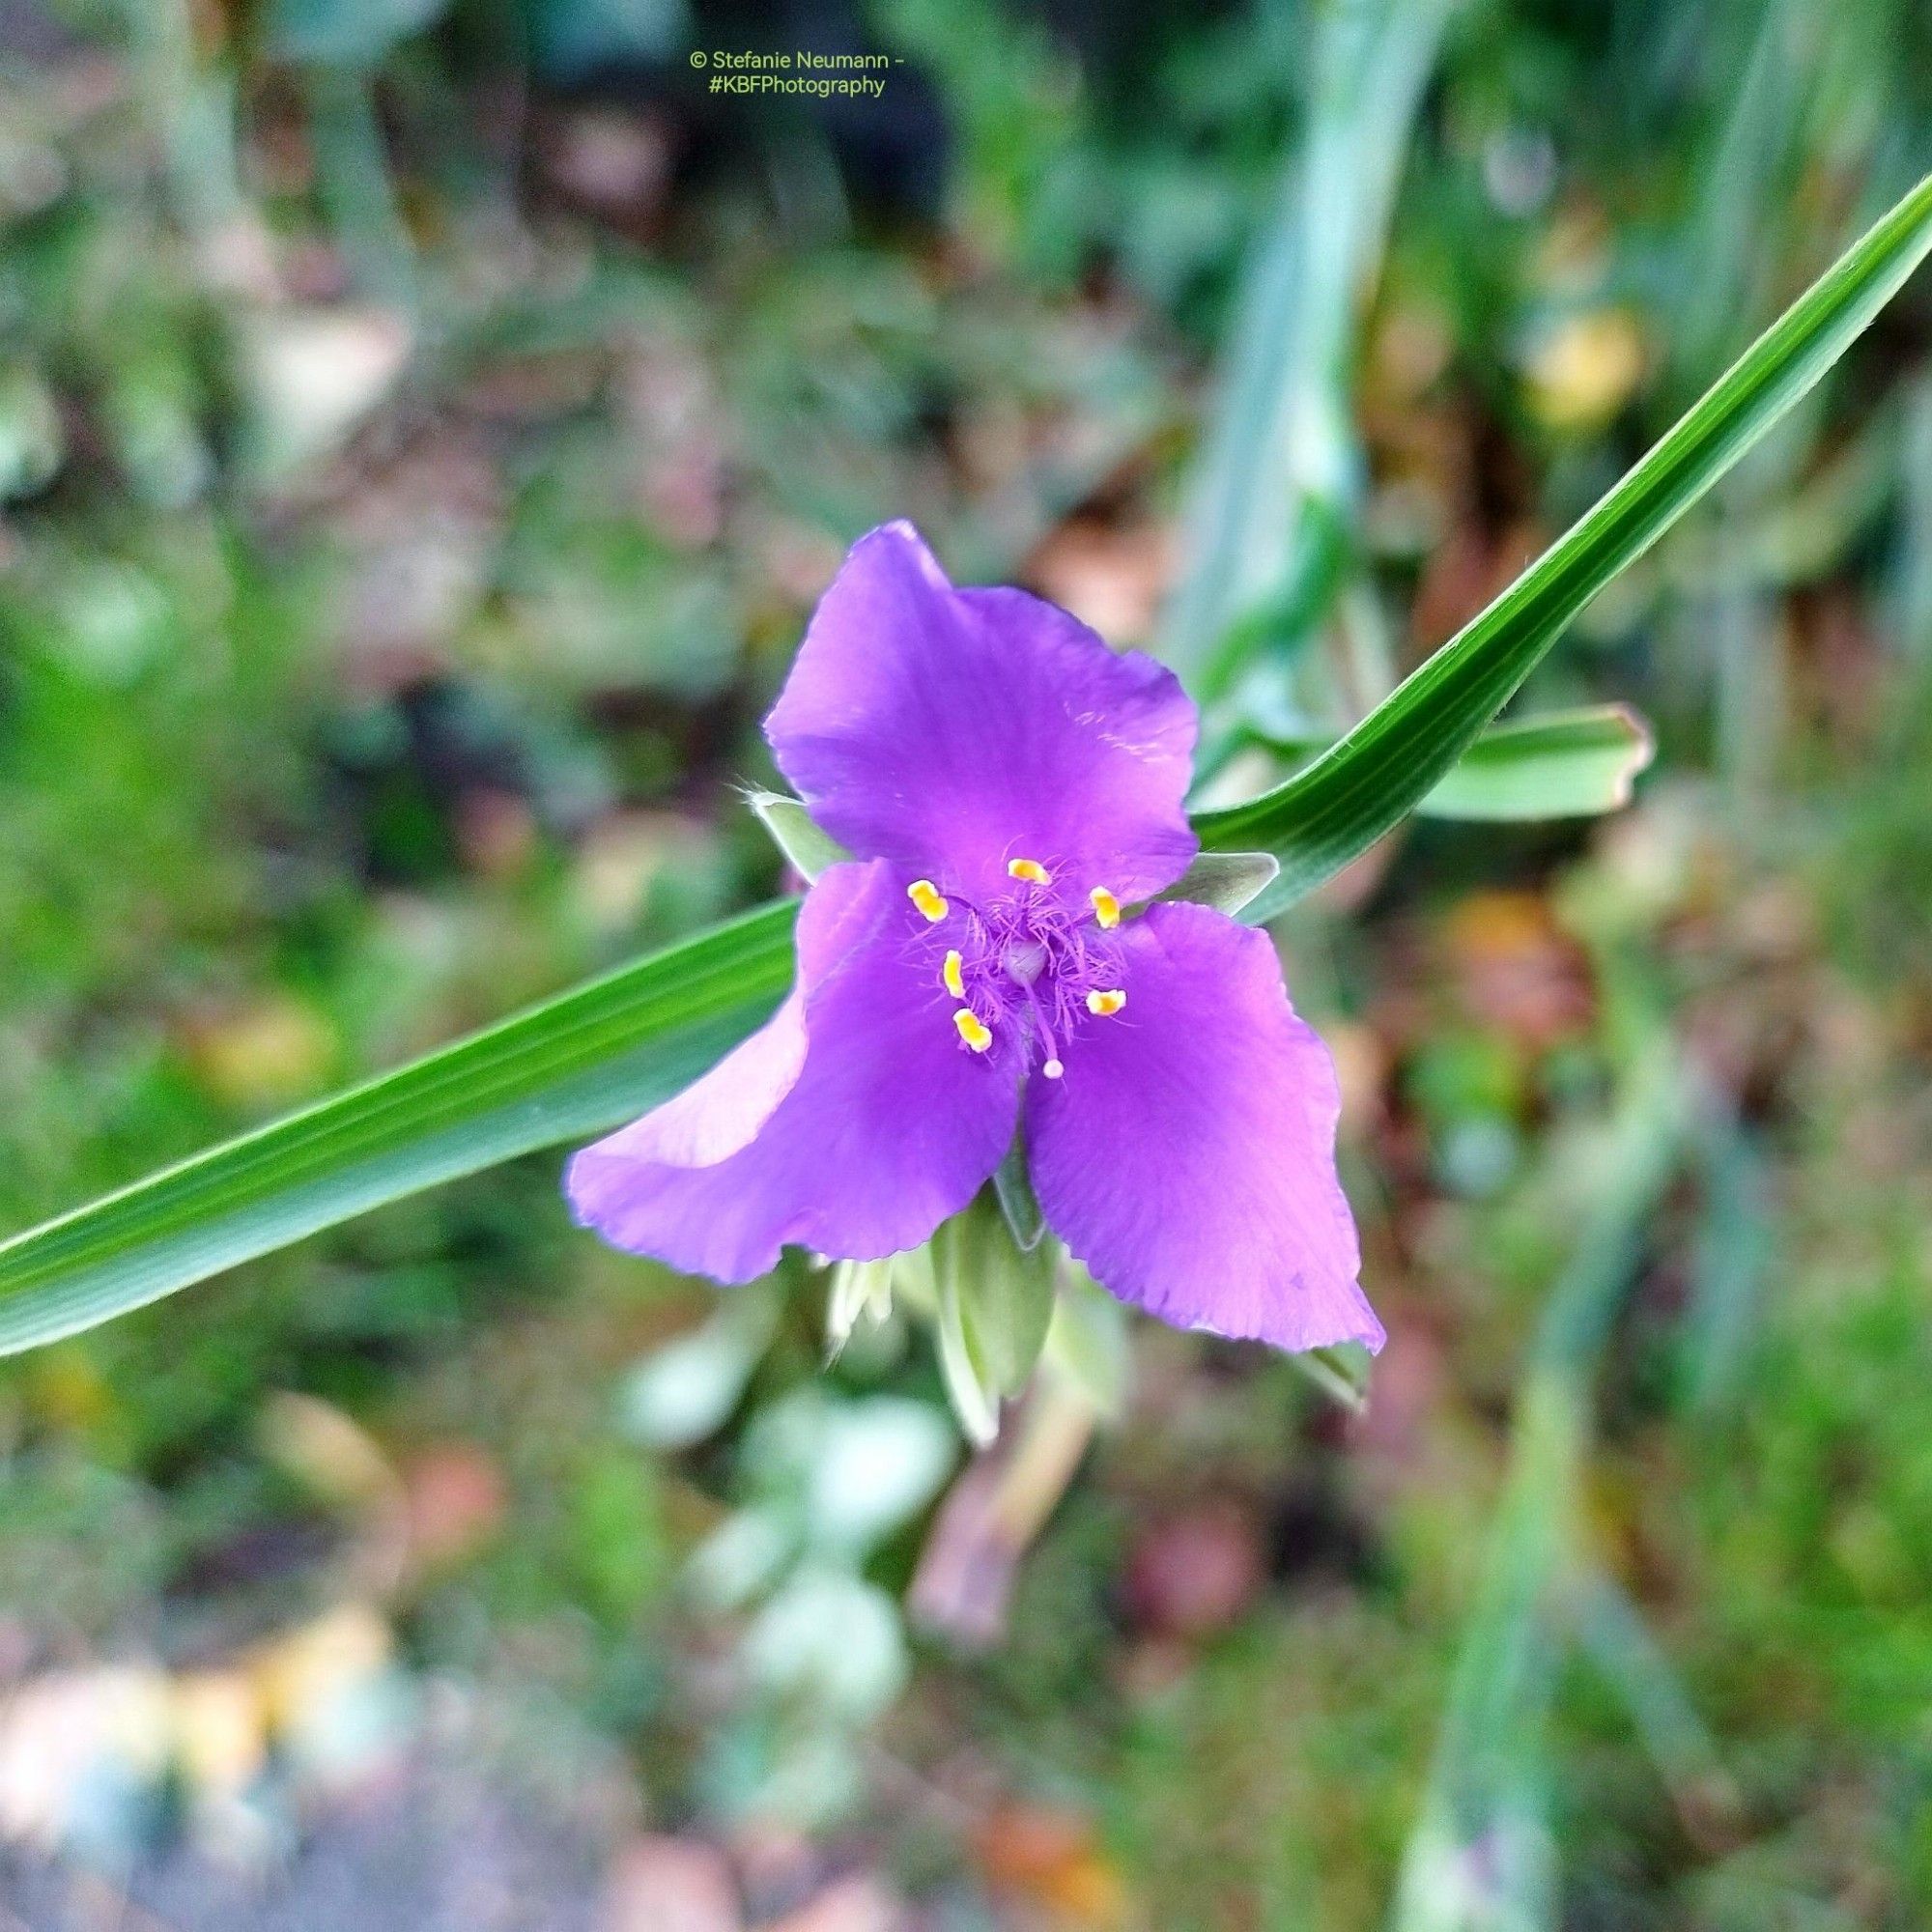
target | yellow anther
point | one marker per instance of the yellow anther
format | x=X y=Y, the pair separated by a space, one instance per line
x=1029 y=869
x=926 y=895
x=1107 y=1003
x=973 y=1030
x=1106 y=908
x=956 y=985
x=1053 y=1069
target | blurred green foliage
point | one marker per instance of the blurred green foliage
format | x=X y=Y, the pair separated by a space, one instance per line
x=422 y=430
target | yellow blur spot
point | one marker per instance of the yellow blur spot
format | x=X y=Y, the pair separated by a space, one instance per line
x=973 y=1030
x=1029 y=869
x=1584 y=373
x=1107 y=1003
x=220 y=1732
x=956 y=985
x=1106 y=908
x=926 y=895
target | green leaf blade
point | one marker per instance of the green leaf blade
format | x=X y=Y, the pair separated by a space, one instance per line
x=1341 y=805
x=1552 y=764
x=594 y=1057
x=563 y=1071
x=1561 y=764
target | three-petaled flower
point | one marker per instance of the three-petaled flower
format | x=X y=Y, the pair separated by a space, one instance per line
x=1010 y=789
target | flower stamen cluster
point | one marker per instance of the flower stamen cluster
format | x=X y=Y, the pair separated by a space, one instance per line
x=1026 y=964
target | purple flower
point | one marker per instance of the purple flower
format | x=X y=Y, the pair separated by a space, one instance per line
x=1009 y=785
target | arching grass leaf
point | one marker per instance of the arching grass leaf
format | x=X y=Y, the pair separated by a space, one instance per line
x=1332 y=813
x=592 y=1057
x=1559 y=764
x=561 y=1071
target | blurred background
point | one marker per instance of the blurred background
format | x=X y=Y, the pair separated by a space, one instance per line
x=424 y=427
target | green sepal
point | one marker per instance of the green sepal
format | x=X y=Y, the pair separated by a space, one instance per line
x=1224 y=880
x=994 y=1302
x=858 y=1289
x=794 y=832
x=1012 y=1188
x=1341 y=1374
x=1088 y=1345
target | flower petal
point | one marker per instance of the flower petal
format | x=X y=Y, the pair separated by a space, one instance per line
x=953 y=730
x=875 y=1126
x=716 y=1116
x=1188 y=1155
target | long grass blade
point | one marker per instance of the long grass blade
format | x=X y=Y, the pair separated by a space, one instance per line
x=594 y=1056
x=1282 y=461
x=1331 y=812
x=563 y=1071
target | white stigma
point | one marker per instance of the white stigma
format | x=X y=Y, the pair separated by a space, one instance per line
x=1053 y=1069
